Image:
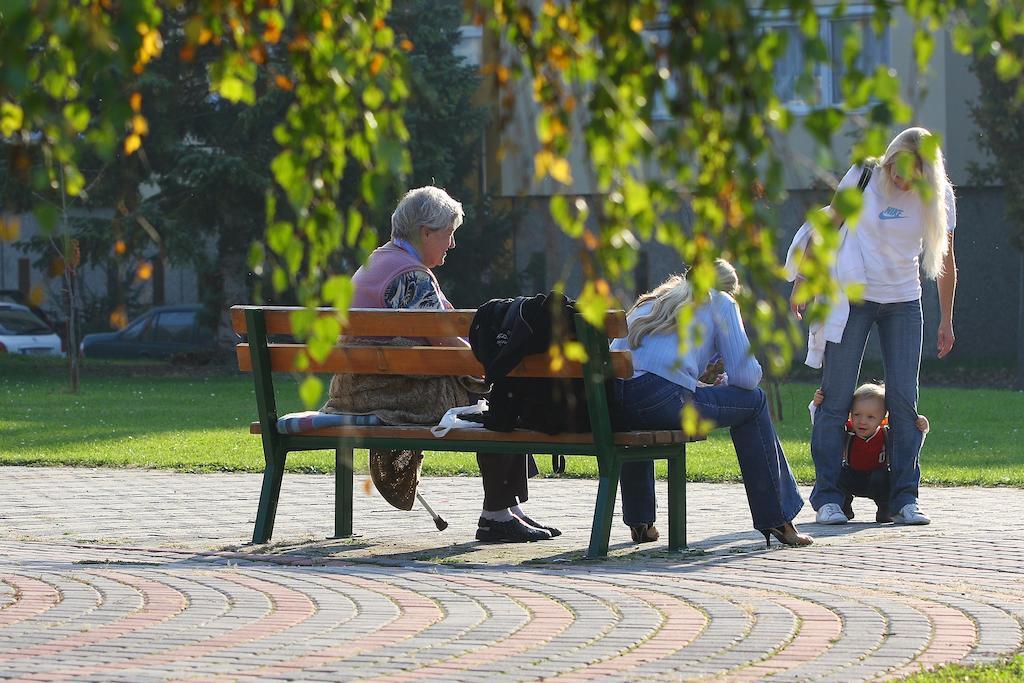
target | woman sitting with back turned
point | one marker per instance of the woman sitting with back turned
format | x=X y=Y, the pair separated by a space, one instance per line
x=665 y=380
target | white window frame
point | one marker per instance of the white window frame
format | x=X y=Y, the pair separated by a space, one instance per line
x=471 y=44
x=655 y=34
x=824 y=72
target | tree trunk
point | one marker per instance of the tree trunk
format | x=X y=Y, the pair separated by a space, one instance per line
x=233 y=269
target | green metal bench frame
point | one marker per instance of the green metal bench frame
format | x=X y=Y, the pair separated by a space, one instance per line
x=609 y=455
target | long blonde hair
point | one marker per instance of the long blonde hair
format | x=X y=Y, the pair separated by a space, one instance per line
x=934 y=172
x=670 y=296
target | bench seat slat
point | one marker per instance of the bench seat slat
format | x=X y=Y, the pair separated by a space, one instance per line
x=519 y=435
x=417 y=360
x=371 y=322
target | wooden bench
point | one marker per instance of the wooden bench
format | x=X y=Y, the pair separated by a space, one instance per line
x=610 y=448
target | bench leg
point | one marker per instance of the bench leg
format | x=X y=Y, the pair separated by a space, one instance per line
x=342 y=492
x=269 y=496
x=677 y=501
x=601 y=530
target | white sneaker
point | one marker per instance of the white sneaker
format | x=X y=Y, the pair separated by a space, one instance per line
x=911 y=514
x=831 y=513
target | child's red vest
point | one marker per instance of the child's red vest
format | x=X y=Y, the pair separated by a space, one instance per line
x=865 y=455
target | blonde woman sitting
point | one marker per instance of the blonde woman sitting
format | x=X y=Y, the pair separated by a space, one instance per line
x=665 y=380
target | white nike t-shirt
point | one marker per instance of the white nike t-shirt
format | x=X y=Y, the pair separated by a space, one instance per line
x=892 y=238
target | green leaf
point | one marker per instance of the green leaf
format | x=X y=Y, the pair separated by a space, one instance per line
x=1008 y=65
x=279 y=279
x=46 y=214
x=302 y=321
x=77 y=116
x=74 y=181
x=592 y=305
x=279 y=236
x=310 y=391
x=231 y=89
x=257 y=256
x=373 y=97
x=338 y=291
x=11 y=118
x=848 y=202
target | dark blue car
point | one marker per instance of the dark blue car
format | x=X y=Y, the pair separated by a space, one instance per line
x=157 y=333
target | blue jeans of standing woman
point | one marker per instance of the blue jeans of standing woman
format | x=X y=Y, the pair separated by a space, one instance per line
x=651 y=402
x=899 y=331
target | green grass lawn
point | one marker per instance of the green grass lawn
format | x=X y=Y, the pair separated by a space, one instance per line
x=1002 y=672
x=133 y=415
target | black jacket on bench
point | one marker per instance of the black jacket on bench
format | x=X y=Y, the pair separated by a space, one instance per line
x=504 y=331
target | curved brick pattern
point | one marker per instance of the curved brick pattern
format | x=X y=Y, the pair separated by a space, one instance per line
x=154 y=602
x=28 y=598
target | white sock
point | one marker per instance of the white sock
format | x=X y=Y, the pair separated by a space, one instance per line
x=497 y=515
x=518 y=511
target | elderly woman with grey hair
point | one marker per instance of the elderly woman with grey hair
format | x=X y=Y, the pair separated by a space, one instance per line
x=399 y=274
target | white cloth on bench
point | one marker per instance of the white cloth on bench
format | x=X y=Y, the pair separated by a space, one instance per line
x=451 y=420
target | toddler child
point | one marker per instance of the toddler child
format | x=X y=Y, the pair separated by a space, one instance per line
x=865 y=463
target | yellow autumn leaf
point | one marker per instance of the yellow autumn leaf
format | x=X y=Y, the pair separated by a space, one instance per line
x=36 y=295
x=542 y=161
x=140 y=126
x=132 y=143
x=136 y=102
x=557 y=361
x=561 y=171
x=57 y=267
x=10 y=228
x=118 y=318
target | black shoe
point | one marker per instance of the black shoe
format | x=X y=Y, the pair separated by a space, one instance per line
x=550 y=529
x=847 y=507
x=883 y=515
x=512 y=531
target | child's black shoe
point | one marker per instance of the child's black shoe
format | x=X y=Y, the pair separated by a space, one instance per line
x=848 y=507
x=883 y=515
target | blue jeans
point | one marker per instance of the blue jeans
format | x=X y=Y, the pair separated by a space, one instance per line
x=900 y=331
x=651 y=402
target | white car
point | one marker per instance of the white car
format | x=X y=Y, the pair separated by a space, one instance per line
x=21 y=331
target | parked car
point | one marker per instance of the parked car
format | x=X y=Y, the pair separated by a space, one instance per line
x=21 y=331
x=158 y=333
x=15 y=296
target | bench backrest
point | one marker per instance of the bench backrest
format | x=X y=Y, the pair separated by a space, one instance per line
x=263 y=358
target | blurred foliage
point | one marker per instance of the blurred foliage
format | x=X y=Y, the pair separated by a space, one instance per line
x=603 y=67
x=999 y=113
x=73 y=78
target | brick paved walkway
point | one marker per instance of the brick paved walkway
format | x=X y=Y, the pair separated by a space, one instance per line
x=122 y=575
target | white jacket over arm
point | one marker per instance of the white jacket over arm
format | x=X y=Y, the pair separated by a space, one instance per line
x=847 y=270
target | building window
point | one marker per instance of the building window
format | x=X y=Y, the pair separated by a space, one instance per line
x=470 y=45
x=658 y=37
x=825 y=88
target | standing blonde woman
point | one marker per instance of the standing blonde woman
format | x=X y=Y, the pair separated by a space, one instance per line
x=902 y=232
x=665 y=380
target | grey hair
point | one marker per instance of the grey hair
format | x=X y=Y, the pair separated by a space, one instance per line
x=430 y=207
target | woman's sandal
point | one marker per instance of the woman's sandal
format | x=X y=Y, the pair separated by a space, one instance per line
x=644 y=533
x=787 y=535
